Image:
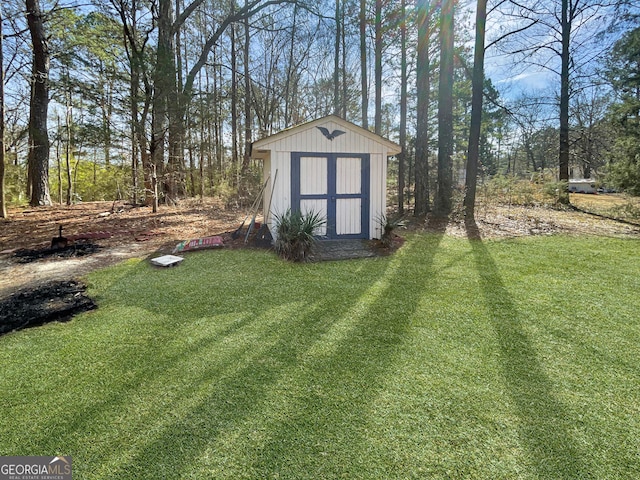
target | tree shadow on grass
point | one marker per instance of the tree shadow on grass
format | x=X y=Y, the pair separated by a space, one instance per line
x=137 y=358
x=545 y=425
x=286 y=405
x=324 y=432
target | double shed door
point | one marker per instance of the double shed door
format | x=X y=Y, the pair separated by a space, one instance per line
x=336 y=186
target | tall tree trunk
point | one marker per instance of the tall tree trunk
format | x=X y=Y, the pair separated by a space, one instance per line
x=477 y=84
x=169 y=110
x=564 y=94
x=336 y=63
x=442 y=205
x=178 y=33
x=69 y=122
x=363 y=65
x=218 y=124
x=164 y=76
x=106 y=108
x=192 y=173
x=175 y=186
x=203 y=141
x=248 y=121
x=423 y=86
x=3 y=206
x=290 y=68
x=135 y=54
x=202 y=159
x=177 y=108
x=210 y=134
x=378 y=66
x=133 y=90
x=38 y=158
x=234 y=106
x=58 y=157
x=343 y=69
x=403 y=106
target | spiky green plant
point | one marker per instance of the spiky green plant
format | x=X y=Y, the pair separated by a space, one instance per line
x=389 y=224
x=295 y=234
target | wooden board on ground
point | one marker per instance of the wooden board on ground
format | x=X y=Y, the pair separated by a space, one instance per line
x=166 y=261
x=199 y=244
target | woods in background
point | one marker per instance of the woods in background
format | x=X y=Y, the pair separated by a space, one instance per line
x=100 y=99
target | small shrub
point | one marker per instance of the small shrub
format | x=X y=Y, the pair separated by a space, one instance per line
x=295 y=234
x=558 y=192
x=389 y=224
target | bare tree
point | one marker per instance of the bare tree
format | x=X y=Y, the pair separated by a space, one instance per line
x=171 y=101
x=591 y=134
x=136 y=38
x=564 y=43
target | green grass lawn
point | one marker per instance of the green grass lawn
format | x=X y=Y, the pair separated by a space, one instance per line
x=451 y=359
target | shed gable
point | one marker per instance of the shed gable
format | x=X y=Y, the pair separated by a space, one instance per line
x=325 y=135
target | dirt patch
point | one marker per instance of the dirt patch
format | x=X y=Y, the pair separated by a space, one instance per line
x=508 y=221
x=119 y=231
x=53 y=301
x=116 y=224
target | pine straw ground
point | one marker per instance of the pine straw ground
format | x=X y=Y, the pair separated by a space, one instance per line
x=124 y=231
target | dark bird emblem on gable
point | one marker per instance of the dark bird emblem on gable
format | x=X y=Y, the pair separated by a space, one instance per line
x=330 y=135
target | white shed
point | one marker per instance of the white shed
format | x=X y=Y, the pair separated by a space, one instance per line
x=583 y=185
x=329 y=166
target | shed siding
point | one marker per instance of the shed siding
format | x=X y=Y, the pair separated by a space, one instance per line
x=348 y=223
x=282 y=192
x=378 y=193
x=348 y=176
x=313 y=173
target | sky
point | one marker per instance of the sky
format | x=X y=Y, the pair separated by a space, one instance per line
x=513 y=75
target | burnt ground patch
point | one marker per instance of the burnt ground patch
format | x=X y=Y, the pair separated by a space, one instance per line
x=53 y=301
x=78 y=249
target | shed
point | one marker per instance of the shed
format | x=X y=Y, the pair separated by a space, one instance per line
x=583 y=185
x=330 y=166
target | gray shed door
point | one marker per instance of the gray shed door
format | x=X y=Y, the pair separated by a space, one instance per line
x=337 y=186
